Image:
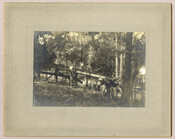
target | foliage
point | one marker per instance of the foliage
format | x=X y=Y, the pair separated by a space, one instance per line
x=42 y=57
x=96 y=51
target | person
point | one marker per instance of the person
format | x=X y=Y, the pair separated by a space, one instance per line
x=89 y=84
x=95 y=85
x=108 y=86
x=98 y=85
x=92 y=84
x=103 y=90
x=119 y=91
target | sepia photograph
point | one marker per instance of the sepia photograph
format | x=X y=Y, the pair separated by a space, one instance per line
x=89 y=69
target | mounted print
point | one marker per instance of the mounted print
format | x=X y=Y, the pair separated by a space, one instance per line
x=87 y=69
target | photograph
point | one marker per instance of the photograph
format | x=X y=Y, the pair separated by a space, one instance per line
x=89 y=69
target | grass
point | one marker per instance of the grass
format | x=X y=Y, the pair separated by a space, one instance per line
x=63 y=95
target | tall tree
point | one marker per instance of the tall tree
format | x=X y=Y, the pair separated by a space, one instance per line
x=42 y=57
x=127 y=74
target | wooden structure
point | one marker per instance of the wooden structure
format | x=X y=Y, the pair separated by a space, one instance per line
x=72 y=74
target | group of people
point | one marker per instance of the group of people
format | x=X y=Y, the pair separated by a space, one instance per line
x=104 y=87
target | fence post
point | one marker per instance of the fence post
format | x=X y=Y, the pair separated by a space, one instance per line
x=56 y=76
x=39 y=73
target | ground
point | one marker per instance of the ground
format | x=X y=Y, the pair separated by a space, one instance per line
x=59 y=94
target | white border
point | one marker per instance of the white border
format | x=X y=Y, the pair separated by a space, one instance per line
x=121 y=1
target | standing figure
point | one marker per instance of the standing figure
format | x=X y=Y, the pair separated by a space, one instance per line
x=103 y=89
x=89 y=84
x=98 y=85
x=108 y=86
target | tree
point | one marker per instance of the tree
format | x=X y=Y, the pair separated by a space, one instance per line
x=42 y=57
x=134 y=59
x=104 y=54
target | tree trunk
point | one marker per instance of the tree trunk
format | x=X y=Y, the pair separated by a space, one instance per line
x=127 y=75
x=116 y=65
x=121 y=64
x=116 y=60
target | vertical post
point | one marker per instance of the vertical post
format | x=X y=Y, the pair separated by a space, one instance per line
x=116 y=60
x=70 y=81
x=76 y=76
x=86 y=80
x=121 y=64
x=56 y=76
x=39 y=72
x=66 y=68
x=135 y=93
x=116 y=66
x=71 y=76
x=46 y=73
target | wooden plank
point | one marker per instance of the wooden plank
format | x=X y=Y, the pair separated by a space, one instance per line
x=60 y=74
x=48 y=77
x=89 y=74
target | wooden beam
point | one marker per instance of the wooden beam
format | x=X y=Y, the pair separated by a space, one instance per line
x=48 y=77
x=89 y=74
x=60 y=74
